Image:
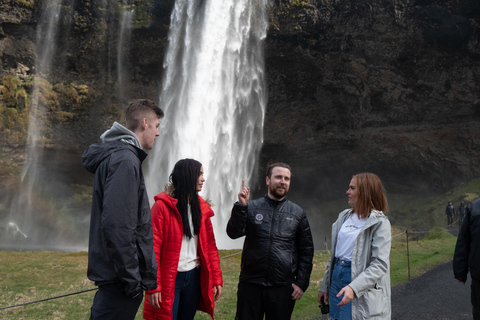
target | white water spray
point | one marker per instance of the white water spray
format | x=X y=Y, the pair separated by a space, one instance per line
x=214 y=100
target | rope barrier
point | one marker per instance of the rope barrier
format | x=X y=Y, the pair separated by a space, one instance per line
x=53 y=298
x=74 y=293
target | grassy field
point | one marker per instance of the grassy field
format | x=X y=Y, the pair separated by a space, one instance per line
x=36 y=275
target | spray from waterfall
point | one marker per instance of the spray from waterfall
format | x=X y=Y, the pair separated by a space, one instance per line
x=214 y=99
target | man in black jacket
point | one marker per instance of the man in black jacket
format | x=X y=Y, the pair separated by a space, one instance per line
x=277 y=252
x=121 y=259
x=467 y=254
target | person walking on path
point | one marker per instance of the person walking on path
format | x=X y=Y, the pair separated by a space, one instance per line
x=121 y=260
x=467 y=254
x=277 y=252
x=449 y=212
x=357 y=278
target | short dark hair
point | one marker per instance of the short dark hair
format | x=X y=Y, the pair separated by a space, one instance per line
x=272 y=165
x=138 y=109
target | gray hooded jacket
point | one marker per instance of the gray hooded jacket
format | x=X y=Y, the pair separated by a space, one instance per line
x=370 y=267
x=121 y=238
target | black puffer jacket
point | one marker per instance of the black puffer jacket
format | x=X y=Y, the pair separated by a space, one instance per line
x=278 y=247
x=467 y=250
x=121 y=238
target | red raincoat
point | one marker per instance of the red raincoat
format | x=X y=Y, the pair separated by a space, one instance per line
x=167 y=241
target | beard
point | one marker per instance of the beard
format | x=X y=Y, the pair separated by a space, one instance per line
x=278 y=193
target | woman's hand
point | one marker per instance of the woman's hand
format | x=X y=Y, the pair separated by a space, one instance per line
x=348 y=295
x=155 y=299
x=217 y=292
x=322 y=297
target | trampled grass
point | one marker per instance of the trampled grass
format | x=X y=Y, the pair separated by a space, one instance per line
x=36 y=275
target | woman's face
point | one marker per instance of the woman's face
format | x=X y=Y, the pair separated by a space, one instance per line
x=352 y=193
x=200 y=180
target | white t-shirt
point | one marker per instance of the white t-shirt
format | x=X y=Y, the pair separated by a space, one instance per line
x=188 y=253
x=347 y=235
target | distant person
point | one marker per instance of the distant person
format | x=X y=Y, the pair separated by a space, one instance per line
x=121 y=260
x=357 y=278
x=461 y=211
x=449 y=212
x=189 y=275
x=277 y=252
x=467 y=254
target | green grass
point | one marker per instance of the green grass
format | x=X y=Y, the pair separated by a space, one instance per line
x=35 y=275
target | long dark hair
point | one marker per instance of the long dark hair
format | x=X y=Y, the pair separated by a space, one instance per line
x=184 y=178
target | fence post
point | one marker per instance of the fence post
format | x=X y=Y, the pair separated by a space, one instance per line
x=408 y=257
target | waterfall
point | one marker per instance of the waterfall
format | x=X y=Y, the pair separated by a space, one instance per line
x=22 y=213
x=214 y=100
x=123 y=42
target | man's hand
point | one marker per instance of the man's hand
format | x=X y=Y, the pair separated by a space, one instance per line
x=244 y=194
x=297 y=293
x=348 y=295
x=322 y=297
x=462 y=282
x=155 y=299
x=217 y=292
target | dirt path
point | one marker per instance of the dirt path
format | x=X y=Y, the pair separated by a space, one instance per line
x=434 y=295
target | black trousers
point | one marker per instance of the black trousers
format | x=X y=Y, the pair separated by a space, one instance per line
x=254 y=301
x=110 y=302
x=475 y=296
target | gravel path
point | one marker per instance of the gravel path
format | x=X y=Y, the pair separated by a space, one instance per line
x=433 y=295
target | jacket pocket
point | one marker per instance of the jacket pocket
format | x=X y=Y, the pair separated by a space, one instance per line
x=375 y=302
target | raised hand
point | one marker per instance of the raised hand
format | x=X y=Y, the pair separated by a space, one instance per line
x=244 y=194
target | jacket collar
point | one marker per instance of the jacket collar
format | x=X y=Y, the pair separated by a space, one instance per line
x=274 y=202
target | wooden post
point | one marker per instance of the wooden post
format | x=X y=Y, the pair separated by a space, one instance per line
x=408 y=257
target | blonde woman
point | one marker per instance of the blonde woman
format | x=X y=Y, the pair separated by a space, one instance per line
x=357 y=278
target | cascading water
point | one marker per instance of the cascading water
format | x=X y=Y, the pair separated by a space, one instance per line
x=22 y=210
x=214 y=99
x=41 y=213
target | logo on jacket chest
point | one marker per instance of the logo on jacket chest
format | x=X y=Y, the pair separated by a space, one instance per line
x=259 y=218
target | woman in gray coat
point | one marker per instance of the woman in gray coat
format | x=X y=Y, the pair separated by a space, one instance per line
x=357 y=278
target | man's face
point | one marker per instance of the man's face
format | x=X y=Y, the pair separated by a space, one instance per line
x=279 y=183
x=151 y=132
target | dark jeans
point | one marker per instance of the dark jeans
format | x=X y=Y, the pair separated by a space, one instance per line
x=187 y=294
x=110 y=302
x=475 y=296
x=254 y=300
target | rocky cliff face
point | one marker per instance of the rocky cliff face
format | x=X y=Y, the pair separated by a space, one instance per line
x=390 y=87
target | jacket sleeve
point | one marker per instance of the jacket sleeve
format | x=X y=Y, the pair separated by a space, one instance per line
x=237 y=224
x=379 y=260
x=462 y=250
x=305 y=253
x=119 y=221
x=213 y=255
x=157 y=224
x=325 y=285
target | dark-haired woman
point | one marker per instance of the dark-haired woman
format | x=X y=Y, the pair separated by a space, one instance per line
x=188 y=275
x=357 y=278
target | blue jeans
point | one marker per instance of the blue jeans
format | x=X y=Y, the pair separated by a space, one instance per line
x=187 y=294
x=341 y=277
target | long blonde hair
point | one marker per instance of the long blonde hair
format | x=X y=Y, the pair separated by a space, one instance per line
x=370 y=194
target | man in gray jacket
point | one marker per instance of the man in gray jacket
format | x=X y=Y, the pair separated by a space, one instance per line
x=121 y=260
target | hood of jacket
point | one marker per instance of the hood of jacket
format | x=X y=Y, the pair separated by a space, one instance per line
x=96 y=153
x=119 y=133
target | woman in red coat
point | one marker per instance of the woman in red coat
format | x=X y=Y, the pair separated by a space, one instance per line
x=188 y=275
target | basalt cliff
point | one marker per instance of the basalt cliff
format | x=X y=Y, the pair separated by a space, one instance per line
x=390 y=87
